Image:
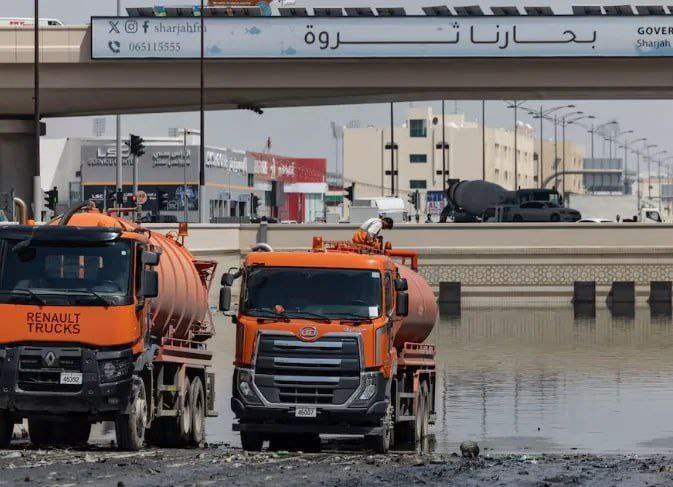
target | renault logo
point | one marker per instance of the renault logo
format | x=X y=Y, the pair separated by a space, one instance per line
x=50 y=359
x=308 y=332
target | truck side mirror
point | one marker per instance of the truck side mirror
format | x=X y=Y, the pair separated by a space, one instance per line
x=225 y=298
x=402 y=304
x=149 y=284
x=401 y=284
x=150 y=258
x=228 y=279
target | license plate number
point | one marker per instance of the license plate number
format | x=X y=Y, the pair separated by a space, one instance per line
x=305 y=412
x=71 y=378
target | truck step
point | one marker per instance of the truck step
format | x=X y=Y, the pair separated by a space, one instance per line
x=406 y=395
x=211 y=413
x=166 y=413
x=401 y=419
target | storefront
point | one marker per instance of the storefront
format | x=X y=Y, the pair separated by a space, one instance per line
x=293 y=188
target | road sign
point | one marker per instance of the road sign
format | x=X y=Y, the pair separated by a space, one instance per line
x=141 y=197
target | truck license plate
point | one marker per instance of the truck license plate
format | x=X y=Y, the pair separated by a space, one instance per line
x=71 y=378
x=305 y=412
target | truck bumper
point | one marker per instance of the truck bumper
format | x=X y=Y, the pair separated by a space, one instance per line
x=29 y=387
x=357 y=417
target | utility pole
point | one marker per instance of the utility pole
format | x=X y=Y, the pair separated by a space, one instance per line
x=541 y=171
x=202 y=119
x=37 y=183
x=118 y=122
x=483 y=140
x=392 y=151
x=516 y=145
x=443 y=153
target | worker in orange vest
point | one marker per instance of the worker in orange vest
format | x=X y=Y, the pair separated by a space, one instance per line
x=369 y=232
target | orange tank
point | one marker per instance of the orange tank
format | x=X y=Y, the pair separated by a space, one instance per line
x=181 y=309
x=423 y=311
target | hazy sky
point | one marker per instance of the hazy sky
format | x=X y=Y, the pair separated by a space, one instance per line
x=307 y=131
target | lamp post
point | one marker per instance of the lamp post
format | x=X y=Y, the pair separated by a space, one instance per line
x=515 y=105
x=37 y=183
x=443 y=146
x=542 y=114
x=626 y=152
x=565 y=122
x=595 y=130
x=651 y=157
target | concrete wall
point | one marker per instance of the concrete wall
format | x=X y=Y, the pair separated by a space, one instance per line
x=515 y=262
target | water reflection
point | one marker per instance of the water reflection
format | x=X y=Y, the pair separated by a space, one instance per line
x=546 y=380
x=531 y=379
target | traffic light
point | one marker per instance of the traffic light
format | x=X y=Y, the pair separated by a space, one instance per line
x=162 y=199
x=256 y=203
x=136 y=145
x=350 y=191
x=51 y=198
x=415 y=199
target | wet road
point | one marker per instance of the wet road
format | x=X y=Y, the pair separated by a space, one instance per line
x=522 y=380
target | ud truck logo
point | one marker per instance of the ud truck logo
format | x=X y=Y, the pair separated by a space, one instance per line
x=50 y=359
x=309 y=332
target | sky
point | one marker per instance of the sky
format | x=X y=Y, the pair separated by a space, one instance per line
x=306 y=131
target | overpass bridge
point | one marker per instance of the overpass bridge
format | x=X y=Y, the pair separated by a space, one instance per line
x=548 y=57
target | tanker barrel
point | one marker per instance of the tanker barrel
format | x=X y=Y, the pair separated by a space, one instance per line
x=476 y=196
x=423 y=311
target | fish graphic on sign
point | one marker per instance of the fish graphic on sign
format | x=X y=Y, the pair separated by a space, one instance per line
x=253 y=31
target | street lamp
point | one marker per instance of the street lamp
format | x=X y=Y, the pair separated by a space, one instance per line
x=443 y=146
x=515 y=105
x=650 y=157
x=626 y=153
x=597 y=129
x=541 y=114
x=564 y=123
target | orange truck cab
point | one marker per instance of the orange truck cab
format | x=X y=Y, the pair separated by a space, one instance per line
x=317 y=349
x=79 y=344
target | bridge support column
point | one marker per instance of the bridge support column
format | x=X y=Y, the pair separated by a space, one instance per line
x=17 y=159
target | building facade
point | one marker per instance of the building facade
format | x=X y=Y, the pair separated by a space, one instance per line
x=424 y=157
x=559 y=156
x=85 y=169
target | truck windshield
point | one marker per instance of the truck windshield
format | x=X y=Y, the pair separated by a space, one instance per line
x=47 y=267
x=332 y=293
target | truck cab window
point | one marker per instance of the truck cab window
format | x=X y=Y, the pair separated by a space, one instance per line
x=46 y=267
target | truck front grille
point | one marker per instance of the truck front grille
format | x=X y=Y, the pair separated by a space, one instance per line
x=291 y=371
x=39 y=373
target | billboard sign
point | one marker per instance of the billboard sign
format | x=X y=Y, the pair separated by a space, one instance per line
x=435 y=202
x=381 y=37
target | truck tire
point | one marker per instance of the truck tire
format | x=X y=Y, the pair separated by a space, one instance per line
x=130 y=427
x=379 y=443
x=420 y=414
x=6 y=429
x=197 y=401
x=425 y=420
x=185 y=416
x=42 y=432
x=251 y=441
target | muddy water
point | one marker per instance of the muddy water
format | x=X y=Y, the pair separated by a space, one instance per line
x=538 y=380
x=533 y=380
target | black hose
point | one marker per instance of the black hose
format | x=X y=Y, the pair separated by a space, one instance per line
x=68 y=215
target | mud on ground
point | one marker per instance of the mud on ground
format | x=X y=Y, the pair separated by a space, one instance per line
x=221 y=464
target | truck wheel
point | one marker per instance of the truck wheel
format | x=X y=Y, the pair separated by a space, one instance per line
x=197 y=402
x=420 y=414
x=130 y=428
x=379 y=443
x=6 y=429
x=42 y=432
x=185 y=416
x=251 y=441
x=425 y=420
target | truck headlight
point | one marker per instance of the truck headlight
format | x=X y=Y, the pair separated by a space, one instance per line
x=112 y=370
x=244 y=384
x=370 y=388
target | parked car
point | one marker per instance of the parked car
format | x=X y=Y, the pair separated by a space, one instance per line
x=531 y=211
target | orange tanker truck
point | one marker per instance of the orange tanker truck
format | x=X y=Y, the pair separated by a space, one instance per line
x=330 y=341
x=103 y=320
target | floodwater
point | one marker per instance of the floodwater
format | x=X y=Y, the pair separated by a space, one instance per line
x=533 y=380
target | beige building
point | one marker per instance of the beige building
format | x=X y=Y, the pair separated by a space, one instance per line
x=553 y=164
x=418 y=159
